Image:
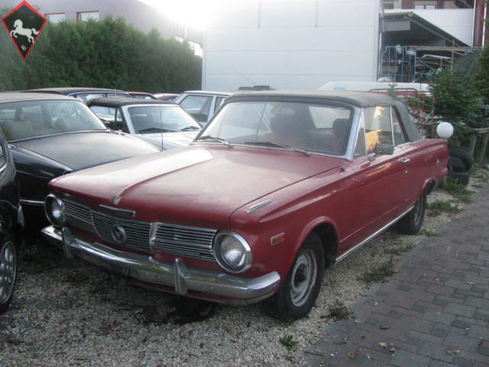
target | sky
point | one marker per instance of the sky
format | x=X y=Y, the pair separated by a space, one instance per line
x=195 y=13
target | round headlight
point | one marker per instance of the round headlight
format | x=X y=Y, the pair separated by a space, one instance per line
x=232 y=252
x=55 y=211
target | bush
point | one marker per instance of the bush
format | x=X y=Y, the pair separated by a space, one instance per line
x=107 y=53
x=455 y=96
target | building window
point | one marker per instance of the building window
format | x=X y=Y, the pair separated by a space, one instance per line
x=86 y=15
x=425 y=5
x=56 y=18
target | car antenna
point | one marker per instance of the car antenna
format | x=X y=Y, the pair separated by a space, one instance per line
x=161 y=127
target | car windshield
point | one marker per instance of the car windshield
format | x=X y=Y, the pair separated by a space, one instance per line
x=311 y=127
x=160 y=118
x=27 y=119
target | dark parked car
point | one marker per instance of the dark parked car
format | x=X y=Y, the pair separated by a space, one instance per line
x=11 y=225
x=277 y=187
x=201 y=105
x=163 y=124
x=51 y=135
x=141 y=95
x=83 y=93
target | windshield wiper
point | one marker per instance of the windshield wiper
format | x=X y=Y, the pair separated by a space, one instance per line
x=214 y=138
x=155 y=130
x=192 y=127
x=272 y=144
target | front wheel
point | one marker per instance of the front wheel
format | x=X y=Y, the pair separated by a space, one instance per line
x=411 y=223
x=8 y=271
x=300 y=289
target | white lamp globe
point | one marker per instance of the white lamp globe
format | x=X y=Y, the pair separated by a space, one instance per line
x=444 y=130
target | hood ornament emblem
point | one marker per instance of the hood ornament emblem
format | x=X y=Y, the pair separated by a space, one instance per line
x=255 y=207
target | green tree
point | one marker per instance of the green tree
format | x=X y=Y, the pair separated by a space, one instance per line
x=107 y=53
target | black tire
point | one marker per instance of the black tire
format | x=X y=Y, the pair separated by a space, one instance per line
x=8 y=271
x=461 y=178
x=463 y=155
x=456 y=164
x=300 y=289
x=411 y=223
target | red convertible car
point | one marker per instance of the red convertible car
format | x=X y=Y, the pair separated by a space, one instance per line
x=278 y=186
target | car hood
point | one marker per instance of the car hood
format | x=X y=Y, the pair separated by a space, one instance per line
x=170 y=140
x=193 y=185
x=85 y=149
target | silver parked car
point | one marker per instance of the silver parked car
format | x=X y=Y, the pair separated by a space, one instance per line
x=201 y=105
x=163 y=124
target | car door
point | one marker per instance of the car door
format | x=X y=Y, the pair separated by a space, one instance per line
x=379 y=180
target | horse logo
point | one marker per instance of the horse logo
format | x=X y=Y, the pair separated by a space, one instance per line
x=24 y=15
x=18 y=29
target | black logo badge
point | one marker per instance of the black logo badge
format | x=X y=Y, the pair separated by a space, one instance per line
x=119 y=234
x=24 y=24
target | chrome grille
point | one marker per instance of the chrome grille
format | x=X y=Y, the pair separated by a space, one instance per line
x=78 y=211
x=185 y=241
x=137 y=232
x=193 y=242
x=79 y=216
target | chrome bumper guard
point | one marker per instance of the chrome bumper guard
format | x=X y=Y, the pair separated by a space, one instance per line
x=210 y=284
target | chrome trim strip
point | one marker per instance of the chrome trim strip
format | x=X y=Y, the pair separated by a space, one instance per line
x=255 y=207
x=209 y=284
x=126 y=213
x=354 y=248
x=31 y=202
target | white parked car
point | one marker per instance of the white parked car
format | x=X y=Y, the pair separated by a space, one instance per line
x=163 y=124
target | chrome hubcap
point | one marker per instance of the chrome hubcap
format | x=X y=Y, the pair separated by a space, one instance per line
x=8 y=270
x=304 y=276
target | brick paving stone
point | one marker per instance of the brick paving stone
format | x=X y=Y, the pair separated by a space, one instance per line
x=435 y=308
x=478 y=331
x=417 y=338
x=439 y=330
x=472 y=321
x=404 y=359
x=439 y=317
x=478 y=302
x=462 y=342
x=463 y=362
x=458 y=309
x=436 y=363
x=459 y=284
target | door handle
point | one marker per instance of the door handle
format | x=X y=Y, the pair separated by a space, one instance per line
x=404 y=160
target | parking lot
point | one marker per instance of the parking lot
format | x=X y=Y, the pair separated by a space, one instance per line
x=70 y=313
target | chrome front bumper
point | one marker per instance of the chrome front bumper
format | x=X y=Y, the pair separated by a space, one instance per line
x=212 y=285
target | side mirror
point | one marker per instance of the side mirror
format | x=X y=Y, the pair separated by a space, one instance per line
x=384 y=149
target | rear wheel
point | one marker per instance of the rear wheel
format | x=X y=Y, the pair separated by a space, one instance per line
x=411 y=223
x=299 y=291
x=8 y=271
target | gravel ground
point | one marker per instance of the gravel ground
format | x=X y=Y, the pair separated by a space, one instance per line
x=69 y=313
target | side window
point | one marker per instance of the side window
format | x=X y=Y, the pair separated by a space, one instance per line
x=378 y=128
x=119 y=121
x=218 y=103
x=399 y=135
x=197 y=106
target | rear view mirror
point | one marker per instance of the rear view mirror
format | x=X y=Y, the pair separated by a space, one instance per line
x=381 y=149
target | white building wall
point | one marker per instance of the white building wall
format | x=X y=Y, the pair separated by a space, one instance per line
x=458 y=22
x=291 y=44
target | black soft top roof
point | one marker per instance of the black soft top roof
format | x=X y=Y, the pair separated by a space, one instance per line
x=357 y=99
x=69 y=90
x=23 y=96
x=117 y=102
